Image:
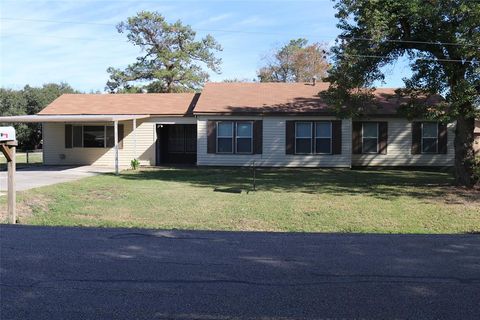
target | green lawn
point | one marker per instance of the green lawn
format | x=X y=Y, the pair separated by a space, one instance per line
x=323 y=200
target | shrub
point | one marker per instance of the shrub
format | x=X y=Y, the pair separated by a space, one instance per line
x=135 y=164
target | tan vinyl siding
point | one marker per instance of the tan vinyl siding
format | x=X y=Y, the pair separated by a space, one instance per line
x=399 y=148
x=273 y=146
x=476 y=144
x=54 y=147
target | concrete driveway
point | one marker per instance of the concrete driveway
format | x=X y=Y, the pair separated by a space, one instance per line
x=88 y=273
x=34 y=177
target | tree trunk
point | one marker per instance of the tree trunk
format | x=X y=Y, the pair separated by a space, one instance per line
x=464 y=153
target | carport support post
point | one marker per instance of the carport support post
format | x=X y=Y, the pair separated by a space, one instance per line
x=135 y=138
x=115 y=133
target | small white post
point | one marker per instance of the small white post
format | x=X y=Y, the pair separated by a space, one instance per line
x=135 y=138
x=115 y=133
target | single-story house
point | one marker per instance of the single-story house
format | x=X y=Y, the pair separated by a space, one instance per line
x=236 y=124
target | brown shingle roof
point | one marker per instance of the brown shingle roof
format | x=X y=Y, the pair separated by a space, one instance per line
x=218 y=98
x=281 y=98
x=149 y=104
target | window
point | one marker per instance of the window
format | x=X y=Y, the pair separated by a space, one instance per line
x=94 y=137
x=323 y=137
x=370 y=137
x=234 y=136
x=313 y=137
x=225 y=137
x=303 y=137
x=429 y=137
x=244 y=137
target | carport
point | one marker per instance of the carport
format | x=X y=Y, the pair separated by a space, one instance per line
x=115 y=119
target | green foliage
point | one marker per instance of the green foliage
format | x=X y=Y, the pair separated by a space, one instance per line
x=30 y=100
x=296 y=61
x=442 y=40
x=134 y=164
x=476 y=169
x=172 y=59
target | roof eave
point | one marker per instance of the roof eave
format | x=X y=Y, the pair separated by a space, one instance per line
x=69 y=118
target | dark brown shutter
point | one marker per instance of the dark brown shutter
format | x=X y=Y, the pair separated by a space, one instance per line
x=289 y=137
x=336 y=136
x=211 y=136
x=382 y=137
x=416 y=137
x=257 y=136
x=77 y=134
x=120 y=136
x=68 y=136
x=356 y=137
x=442 y=138
x=111 y=136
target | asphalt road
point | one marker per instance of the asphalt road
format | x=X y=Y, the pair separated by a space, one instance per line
x=70 y=273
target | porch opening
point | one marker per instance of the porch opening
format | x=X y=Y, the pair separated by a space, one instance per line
x=176 y=144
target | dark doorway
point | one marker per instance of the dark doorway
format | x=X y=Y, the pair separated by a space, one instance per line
x=176 y=144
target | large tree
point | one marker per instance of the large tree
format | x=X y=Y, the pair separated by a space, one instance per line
x=441 y=38
x=172 y=59
x=30 y=100
x=296 y=61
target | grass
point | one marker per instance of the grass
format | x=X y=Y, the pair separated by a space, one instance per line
x=309 y=200
x=35 y=158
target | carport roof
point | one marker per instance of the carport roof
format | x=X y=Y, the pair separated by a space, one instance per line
x=180 y=104
x=71 y=118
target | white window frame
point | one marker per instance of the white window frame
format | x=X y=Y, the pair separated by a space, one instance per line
x=244 y=137
x=83 y=136
x=311 y=136
x=436 y=139
x=363 y=137
x=232 y=137
x=330 y=137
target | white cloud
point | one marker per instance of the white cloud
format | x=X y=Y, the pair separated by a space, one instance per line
x=213 y=19
x=256 y=21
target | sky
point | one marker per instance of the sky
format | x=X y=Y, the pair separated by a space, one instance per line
x=75 y=41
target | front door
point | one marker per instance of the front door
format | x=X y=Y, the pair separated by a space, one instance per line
x=176 y=144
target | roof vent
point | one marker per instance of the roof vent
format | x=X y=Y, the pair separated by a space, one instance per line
x=314 y=80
